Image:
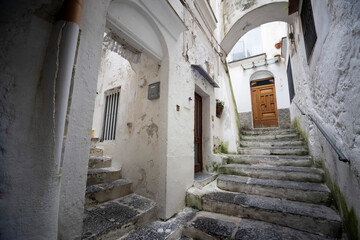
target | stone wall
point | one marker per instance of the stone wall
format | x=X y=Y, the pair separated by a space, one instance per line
x=284 y=117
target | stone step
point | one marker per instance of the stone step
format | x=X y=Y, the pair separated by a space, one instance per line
x=272 y=160
x=94 y=141
x=313 y=218
x=201 y=179
x=212 y=226
x=113 y=219
x=161 y=230
x=297 y=191
x=102 y=175
x=96 y=152
x=302 y=174
x=270 y=136
x=262 y=131
x=99 y=162
x=288 y=150
x=273 y=143
x=104 y=192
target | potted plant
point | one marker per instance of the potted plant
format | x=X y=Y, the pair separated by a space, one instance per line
x=219 y=107
x=278 y=45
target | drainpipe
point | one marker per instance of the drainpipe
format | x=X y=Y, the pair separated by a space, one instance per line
x=66 y=50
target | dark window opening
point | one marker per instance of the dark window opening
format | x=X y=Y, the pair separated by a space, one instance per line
x=290 y=81
x=308 y=27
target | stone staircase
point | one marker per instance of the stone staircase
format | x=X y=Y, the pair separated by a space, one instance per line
x=111 y=209
x=270 y=190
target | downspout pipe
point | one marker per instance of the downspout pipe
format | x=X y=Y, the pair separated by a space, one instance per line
x=66 y=51
x=66 y=33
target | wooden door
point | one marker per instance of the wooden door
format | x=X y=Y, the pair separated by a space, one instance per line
x=263 y=98
x=198 y=133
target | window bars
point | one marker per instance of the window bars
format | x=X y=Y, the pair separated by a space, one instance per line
x=110 y=114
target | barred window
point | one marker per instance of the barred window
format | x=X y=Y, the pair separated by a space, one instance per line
x=110 y=114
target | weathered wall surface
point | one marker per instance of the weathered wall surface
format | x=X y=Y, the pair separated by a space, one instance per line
x=241 y=84
x=31 y=207
x=328 y=88
x=157 y=151
x=140 y=127
x=194 y=47
x=29 y=184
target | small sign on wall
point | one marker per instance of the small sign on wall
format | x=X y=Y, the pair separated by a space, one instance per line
x=154 y=91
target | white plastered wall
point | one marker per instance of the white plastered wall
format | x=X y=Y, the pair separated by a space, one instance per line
x=327 y=87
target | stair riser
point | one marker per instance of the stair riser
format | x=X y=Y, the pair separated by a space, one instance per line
x=277 y=175
x=271 y=161
x=270 y=137
x=194 y=233
x=93 y=199
x=106 y=177
x=268 y=191
x=268 y=132
x=96 y=152
x=304 y=223
x=270 y=144
x=94 y=141
x=99 y=163
x=290 y=151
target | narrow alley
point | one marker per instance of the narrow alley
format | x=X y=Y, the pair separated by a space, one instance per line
x=180 y=119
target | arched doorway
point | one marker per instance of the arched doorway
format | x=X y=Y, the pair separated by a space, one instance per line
x=263 y=99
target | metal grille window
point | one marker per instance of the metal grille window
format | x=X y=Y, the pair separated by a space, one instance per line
x=110 y=114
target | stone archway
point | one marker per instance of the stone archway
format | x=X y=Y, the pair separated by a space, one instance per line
x=241 y=18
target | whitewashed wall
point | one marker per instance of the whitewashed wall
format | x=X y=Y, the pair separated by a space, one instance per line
x=328 y=88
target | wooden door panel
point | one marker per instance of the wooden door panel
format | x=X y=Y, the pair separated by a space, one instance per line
x=198 y=133
x=263 y=101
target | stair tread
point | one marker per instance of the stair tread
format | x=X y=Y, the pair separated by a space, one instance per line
x=308 y=186
x=275 y=204
x=226 y=227
x=276 y=168
x=163 y=229
x=104 y=186
x=271 y=134
x=275 y=147
x=99 y=158
x=102 y=170
x=112 y=215
x=295 y=157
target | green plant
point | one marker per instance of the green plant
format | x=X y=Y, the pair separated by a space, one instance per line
x=220 y=103
x=224 y=147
